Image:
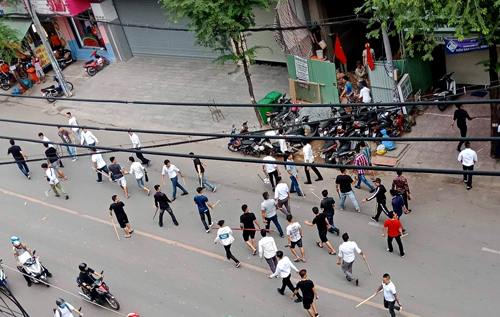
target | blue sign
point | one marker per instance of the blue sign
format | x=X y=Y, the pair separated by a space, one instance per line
x=457 y=47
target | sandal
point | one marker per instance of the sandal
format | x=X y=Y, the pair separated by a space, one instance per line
x=319 y=244
x=296 y=260
x=128 y=236
x=128 y=196
x=131 y=231
x=332 y=253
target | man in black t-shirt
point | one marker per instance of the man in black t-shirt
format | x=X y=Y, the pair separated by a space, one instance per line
x=53 y=159
x=343 y=186
x=460 y=117
x=121 y=216
x=199 y=167
x=328 y=204
x=19 y=157
x=321 y=222
x=86 y=279
x=247 y=221
x=308 y=293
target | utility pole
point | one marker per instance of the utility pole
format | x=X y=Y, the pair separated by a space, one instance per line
x=390 y=64
x=48 y=49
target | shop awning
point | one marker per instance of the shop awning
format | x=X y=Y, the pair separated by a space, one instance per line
x=19 y=25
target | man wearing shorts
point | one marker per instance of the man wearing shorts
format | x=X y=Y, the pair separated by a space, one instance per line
x=294 y=233
x=308 y=293
x=121 y=216
x=118 y=173
x=138 y=171
x=204 y=208
x=321 y=222
x=247 y=221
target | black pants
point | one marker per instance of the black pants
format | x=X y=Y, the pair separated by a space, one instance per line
x=141 y=157
x=209 y=218
x=286 y=282
x=315 y=170
x=275 y=175
x=463 y=134
x=400 y=244
x=171 y=213
x=381 y=207
x=404 y=195
x=392 y=306
x=468 y=178
x=229 y=255
x=26 y=277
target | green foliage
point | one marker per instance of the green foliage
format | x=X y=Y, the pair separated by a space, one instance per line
x=9 y=42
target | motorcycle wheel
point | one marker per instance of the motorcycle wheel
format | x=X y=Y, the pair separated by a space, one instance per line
x=70 y=86
x=442 y=107
x=5 y=85
x=407 y=127
x=23 y=75
x=113 y=303
x=48 y=95
x=91 y=71
x=255 y=153
x=106 y=62
x=231 y=148
x=275 y=124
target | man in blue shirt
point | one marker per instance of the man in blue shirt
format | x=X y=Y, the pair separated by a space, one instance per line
x=398 y=204
x=204 y=208
x=348 y=89
x=292 y=171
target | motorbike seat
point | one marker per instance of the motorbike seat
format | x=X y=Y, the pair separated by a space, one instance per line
x=272 y=113
x=246 y=142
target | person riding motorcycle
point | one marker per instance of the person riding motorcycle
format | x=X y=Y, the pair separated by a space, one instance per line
x=86 y=279
x=64 y=309
x=18 y=248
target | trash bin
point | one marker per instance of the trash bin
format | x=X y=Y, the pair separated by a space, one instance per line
x=270 y=98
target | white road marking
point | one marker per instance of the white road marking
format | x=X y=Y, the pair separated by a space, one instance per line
x=376 y=224
x=490 y=250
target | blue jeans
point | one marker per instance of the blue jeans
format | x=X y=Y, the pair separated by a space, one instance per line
x=274 y=219
x=351 y=197
x=330 y=220
x=205 y=182
x=71 y=151
x=295 y=185
x=361 y=177
x=176 y=184
x=140 y=182
x=23 y=167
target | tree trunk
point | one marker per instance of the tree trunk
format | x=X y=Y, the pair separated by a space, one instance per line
x=494 y=94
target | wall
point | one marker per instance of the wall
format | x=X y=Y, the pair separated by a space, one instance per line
x=465 y=68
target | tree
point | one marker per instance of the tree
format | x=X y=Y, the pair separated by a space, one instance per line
x=9 y=46
x=219 y=25
x=418 y=20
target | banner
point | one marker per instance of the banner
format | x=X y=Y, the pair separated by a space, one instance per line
x=301 y=69
x=42 y=55
x=454 y=46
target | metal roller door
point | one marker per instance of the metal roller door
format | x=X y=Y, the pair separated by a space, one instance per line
x=156 y=42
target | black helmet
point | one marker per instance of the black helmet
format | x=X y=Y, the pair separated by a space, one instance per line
x=59 y=301
x=82 y=266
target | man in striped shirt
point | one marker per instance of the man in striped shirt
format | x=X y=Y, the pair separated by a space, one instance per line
x=360 y=160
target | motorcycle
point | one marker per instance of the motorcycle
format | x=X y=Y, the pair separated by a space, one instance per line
x=95 y=65
x=3 y=277
x=286 y=117
x=246 y=146
x=54 y=91
x=22 y=68
x=34 y=268
x=5 y=83
x=64 y=57
x=446 y=91
x=102 y=293
x=277 y=110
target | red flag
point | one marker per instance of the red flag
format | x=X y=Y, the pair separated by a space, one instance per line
x=339 y=52
x=369 y=57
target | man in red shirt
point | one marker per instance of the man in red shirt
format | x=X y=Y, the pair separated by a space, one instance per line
x=394 y=230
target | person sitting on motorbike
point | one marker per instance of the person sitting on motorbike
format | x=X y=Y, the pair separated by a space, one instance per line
x=64 y=309
x=86 y=279
x=18 y=249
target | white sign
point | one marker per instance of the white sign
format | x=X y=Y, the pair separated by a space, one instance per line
x=404 y=89
x=301 y=69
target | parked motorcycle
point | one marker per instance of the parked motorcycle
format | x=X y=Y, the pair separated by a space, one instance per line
x=22 y=68
x=277 y=110
x=102 y=293
x=54 y=91
x=64 y=57
x=95 y=65
x=447 y=89
x=246 y=146
x=285 y=117
x=34 y=268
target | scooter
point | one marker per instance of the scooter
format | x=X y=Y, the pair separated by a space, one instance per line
x=34 y=268
x=54 y=91
x=246 y=146
x=3 y=277
x=95 y=65
x=103 y=295
x=446 y=91
x=64 y=57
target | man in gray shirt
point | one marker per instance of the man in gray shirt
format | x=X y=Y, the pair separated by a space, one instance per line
x=268 y=207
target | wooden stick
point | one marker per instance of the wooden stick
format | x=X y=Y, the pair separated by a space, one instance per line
x=268 y=230
x=303 y=193
x=184 y=181
x=113 y=224
x=367 y=299
x=213 y=206
x=316 y=196
x=369 y=270
x=155 y=214
x=98 y=171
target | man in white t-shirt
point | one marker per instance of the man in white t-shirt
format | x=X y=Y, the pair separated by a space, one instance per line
x=309 y=158
x=136 y=143
x=282 y=197
x=347 y=256
x=271 y=169
x=172 y=172
x=294 y=232
x=282 y=142
x=64 y=309
x=45 y=139
x=139 y=171
x=73 y=122
x=51 y=176
x=365 y=93
x=390 y=296
x=99 y=165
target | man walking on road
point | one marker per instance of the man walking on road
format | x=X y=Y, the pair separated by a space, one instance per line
x=323 y=225
x=347 y=257
x=138 y=170
x=394 y=230
x=381 y=199
x=292 y=172
x=360 y=160
x=73 y=122
x=247 y=221
x=282 y=197
x=88 y=137
x=204 y=208
x=268 y=207
x=117 y=173
x=397 y=204
x=283 y=269
x=136 y=143
x=199 y=166
x=99 y=165
x=468 y=157
x=121 y=216
x=294 y=232
x=54 y=182
x=308 y=293
x=400 y=184
x=343 y=184
x=309 y=158
x=19 y=157
x=53 y=159
x=460 y=117
x=67 y=138
x=224 y=236
x=328 y=204
x=390 y=296
x=364 y=148
x=45 y=139
x=268 y=249
x=162 y=202
x=172 y=172
x=271 y=169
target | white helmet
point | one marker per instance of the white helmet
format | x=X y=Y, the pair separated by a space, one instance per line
x=15 y=241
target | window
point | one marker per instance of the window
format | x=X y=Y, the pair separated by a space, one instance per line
x=86 y=32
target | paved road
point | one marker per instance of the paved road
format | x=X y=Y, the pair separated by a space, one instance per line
x=179 y=271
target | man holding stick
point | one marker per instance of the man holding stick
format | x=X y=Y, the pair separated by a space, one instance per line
x=271 y=169
x=204 y=208
x=117 y=173
x=224 y=236
x=343 y=186
x=282 y=197
x=308 y=293
x=268 y=249
x=328 y=204
x=283 y=269
x=162 y=202
x=268 y=207
x=121 y=216
x=199 y=166
x=321 y=222
x=390 y=296
x=247 y=220
x=347 y=257
x=99 y=165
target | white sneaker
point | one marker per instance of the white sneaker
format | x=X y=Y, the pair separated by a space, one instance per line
x=211 y=224
x=208 y=231
x=29 y=176
x=74 y=160
x=213 y=190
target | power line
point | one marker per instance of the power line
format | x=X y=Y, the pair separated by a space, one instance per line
x=260 y=162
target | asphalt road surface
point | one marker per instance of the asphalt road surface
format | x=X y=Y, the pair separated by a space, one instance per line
x=450 y=269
